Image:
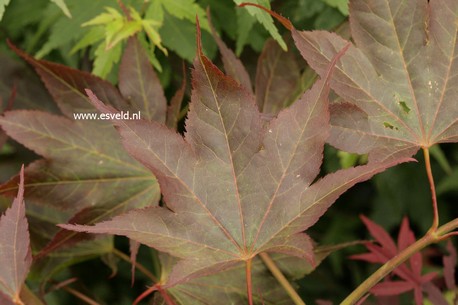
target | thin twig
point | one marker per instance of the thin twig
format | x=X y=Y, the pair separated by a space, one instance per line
x=276 y=272
x=125 y=10
x=80 y=296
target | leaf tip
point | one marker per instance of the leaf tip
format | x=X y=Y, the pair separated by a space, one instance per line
x=198 y=37
x=285 y=22
x=21 y=182
x=97 y=103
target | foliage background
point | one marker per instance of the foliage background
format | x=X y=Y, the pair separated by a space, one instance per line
x=43 y=29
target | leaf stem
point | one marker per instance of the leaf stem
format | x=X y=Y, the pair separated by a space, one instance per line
x=249 y=284
x=276 y=272
x=139 y=266
x=429 y=172
x=430 y=238
x=167 y=299
x=80 y=296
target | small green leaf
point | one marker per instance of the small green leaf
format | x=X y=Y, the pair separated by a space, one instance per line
x=67 y=31
x=103 y=18
x=149 y=47
x=111 y=30
x=3 y=4
x=61 y=4
x=244 y=26
x=186 y=9
x=105 y=59
x=90 y=38
x=264 y=18
x=148 y=26
x=128 y=29
x=341 y=5
x=155 y=11
x=179 y=35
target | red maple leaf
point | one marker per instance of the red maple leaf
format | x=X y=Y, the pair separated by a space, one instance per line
x=407 y=276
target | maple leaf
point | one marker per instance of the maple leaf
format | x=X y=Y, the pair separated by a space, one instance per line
x=235 y=185
x=409 y=273
x=398 y=81
x=277 y=78
x=15 y=252
x=86 y=169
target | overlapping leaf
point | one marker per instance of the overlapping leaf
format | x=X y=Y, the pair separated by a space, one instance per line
x=264 y=19
x=232 y=65
x=398 y=82
x=236 y=185
x=86 y=169
x=277 y=78
x=140 y=85
x=15 y=252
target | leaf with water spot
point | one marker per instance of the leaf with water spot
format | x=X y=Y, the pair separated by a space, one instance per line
x=399 y=80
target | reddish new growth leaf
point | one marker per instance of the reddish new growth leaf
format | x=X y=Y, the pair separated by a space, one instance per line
x=398 y=82
x=15 y=252
x=235 y=185
x=409 y=274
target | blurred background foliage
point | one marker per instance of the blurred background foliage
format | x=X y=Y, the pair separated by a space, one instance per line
x=90 y=35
